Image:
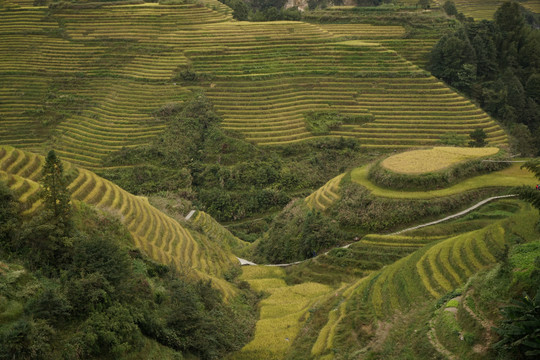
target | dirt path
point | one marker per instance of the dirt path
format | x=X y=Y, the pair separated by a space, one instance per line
x=432 y=337
x=461 y=213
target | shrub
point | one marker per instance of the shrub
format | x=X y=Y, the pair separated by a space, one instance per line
x=478 y=137
x=453 y=139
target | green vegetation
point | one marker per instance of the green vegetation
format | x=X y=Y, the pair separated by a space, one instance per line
x=162 y=238
x=509 y=177
x=481 y=59
x=529 y=194
x=298 y=233
x=110 y=299
x=281 y=130
x=444 y=178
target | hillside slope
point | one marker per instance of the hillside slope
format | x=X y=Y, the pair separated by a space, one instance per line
x=87 y=81
x=162 y=238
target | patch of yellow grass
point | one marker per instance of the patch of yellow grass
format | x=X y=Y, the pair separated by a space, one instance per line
x=438 y=158
x=261 y=272
x=358 y=43
x=282 y=314
x=266 y=284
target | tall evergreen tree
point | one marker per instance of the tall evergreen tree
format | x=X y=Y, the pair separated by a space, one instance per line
x=54 y=191
x=46 y=238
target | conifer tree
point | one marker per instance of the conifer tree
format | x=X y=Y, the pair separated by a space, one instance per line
x=54 y=191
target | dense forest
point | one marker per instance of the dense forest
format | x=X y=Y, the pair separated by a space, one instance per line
x=497 y=64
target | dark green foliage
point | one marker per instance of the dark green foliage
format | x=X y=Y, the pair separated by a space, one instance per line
x=9 y=219
x=266 y=4
x=531 y=195
x=225 y=176
x=453 y=139
x=450 y=8
x=56 y=197
x=107 y=297
x=298 y=233
x=478 y=138
x=424 y=4
x=240 y=9
x=111 y=333
x=360 y=211
x=496 y=63
x=26 y=339
x=520 y=329
x=453 y=59
x=229 y=206
x=51 y=305
x=148 y=178
x=433 y=180
x=322 y=122
x=522 y=141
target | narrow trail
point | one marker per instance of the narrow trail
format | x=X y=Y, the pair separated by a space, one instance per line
x=461 y=213
x=434 y=341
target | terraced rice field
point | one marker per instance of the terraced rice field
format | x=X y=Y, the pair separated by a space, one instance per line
x=439 y=266
x=217 y=233
x=326 y=195
x=438 y=158
x=509 y=177
x=281 y=314
x=103 y=73
x=161 y=237
x=485 y=9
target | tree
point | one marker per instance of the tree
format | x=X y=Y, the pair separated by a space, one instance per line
x=424 y=4
x=54 y=191
x=450 y=8
x=520 y=330
x=525 y=193
x=453 y=59
x=45 y=239
x=9 y=218
x=478 y=137
x=522 y=141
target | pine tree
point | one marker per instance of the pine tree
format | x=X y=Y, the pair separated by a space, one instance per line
x=54 y=191
x=46 y=238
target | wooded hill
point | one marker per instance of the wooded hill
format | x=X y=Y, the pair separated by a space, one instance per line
x=321 y=140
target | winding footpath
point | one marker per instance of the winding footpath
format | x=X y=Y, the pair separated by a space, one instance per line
x=461 y=213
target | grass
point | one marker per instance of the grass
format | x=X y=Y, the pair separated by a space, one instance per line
x=509 y=177
x=429 y=160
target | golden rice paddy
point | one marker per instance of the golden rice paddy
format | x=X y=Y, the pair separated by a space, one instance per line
x=437 y=158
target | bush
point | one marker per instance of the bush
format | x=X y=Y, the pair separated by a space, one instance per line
x=452 y=139
x=478 y=138
x=298 y=233
x=357 y=209
x=26 y=339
